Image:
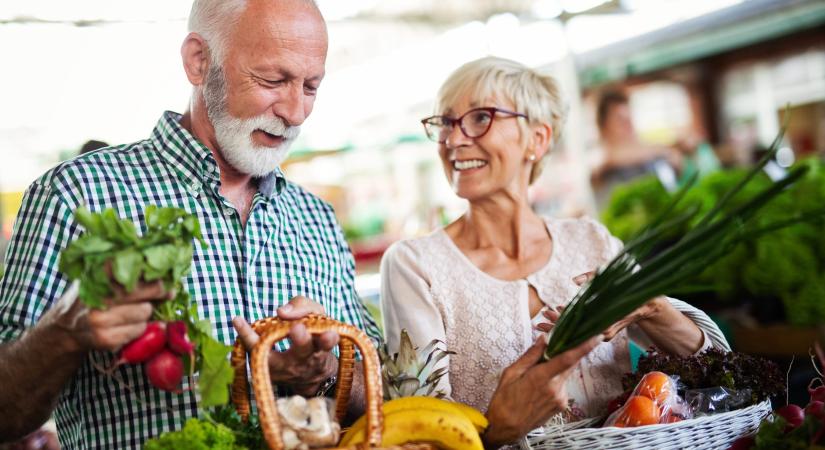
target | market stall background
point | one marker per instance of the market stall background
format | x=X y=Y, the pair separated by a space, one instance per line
x=719 y=71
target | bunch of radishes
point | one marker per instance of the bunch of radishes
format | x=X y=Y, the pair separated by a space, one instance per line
x=160 y=349
x=793 y=426
x=806 y=427
x=111 y=253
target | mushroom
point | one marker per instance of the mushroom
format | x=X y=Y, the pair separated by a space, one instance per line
x=307 y=423
x=291 y=440
x=321 y=430
x=293 y=411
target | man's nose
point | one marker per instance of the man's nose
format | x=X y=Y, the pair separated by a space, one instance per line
x=292 y=107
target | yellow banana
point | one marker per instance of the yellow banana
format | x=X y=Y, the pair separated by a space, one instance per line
x=478 y=419
x=419 y=402
x=446 y=429
x=355 y=433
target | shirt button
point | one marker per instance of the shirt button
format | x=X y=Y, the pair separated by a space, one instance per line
x=228 y=212
x=195 y=188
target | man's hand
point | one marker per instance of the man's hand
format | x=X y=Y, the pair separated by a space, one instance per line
x=124 y=318
x=66 y=332
x=530 y=392
x=309 y=360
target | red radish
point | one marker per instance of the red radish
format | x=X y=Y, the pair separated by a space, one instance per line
x=165 y=370
x=743 y=443
x=816 y=409
x=817 y=394
x=144 y=347
x=178 y=338
x=792 y=414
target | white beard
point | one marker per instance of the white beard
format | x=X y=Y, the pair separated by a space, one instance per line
x=234 y=135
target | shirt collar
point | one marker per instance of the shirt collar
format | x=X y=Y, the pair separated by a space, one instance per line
x=194 y=161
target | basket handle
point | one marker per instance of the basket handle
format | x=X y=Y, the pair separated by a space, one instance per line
x=240 y=383
x=273 y=330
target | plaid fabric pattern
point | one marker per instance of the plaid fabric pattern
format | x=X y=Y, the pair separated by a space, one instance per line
x=291 y=245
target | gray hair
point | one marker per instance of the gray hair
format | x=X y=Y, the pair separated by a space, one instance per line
x=214 y=19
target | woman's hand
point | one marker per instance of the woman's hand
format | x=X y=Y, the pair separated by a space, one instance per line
x=647 y=311
x=668 y=329
x=530 y=392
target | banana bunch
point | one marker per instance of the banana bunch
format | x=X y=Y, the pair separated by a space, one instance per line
x=448 y=425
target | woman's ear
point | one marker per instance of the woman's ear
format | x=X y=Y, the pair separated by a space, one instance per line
x=542 y=134
x=195 y=55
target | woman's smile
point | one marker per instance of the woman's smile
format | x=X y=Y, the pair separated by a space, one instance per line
x=468 y=165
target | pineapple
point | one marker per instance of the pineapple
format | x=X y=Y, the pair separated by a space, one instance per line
x=410 y=372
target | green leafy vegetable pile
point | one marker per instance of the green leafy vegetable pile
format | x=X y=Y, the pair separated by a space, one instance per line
x=713 y=368
x=651 y=264
x=196 y=435
x=220 y=428
x=247 y=433
x=787 y=264
x=164 y=252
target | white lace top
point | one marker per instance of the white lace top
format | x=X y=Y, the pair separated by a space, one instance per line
x=430 y=288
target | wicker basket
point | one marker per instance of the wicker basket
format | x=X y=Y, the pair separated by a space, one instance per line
x=272 y=330
x=717 y=431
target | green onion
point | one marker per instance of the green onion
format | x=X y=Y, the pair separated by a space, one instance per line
x=651 y=264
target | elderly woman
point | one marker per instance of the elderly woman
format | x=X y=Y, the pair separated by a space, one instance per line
x=484 y=283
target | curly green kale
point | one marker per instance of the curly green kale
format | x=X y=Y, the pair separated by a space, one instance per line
x=196 y=435
x=248 y=433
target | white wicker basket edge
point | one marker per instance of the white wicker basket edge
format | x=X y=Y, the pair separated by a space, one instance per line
x=717 y=431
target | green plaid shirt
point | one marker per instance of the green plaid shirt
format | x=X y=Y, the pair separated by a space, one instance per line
x=291 y=245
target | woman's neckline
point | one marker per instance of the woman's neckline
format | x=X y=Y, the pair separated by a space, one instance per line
x=454 y=248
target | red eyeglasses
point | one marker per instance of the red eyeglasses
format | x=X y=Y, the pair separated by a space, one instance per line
x=478 y=123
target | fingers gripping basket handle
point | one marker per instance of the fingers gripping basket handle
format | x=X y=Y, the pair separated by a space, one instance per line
x=272 y=330
x=240 y=385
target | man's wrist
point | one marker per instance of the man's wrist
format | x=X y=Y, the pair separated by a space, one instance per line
x=58 y=336
x=327 y=387
x=312 y=389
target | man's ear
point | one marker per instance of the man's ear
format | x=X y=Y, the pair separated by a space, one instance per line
x=195 y=55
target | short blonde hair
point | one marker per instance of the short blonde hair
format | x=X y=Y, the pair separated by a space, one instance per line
x=532 y=93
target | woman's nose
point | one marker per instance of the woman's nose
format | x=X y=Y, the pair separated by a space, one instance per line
x=456 y=137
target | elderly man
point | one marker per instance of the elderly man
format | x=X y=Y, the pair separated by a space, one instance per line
x=273 y=248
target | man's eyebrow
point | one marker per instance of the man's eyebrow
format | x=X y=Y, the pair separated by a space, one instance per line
x=268 y=71
x=263 y=71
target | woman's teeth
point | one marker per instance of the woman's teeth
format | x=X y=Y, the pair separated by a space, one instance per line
x=469 y=164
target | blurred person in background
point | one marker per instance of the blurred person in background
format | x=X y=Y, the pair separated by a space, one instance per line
x=623 y=156
x=91 y=145
x=489 y=283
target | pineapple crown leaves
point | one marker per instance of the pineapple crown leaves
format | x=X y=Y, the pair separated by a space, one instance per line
x=412 y=371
